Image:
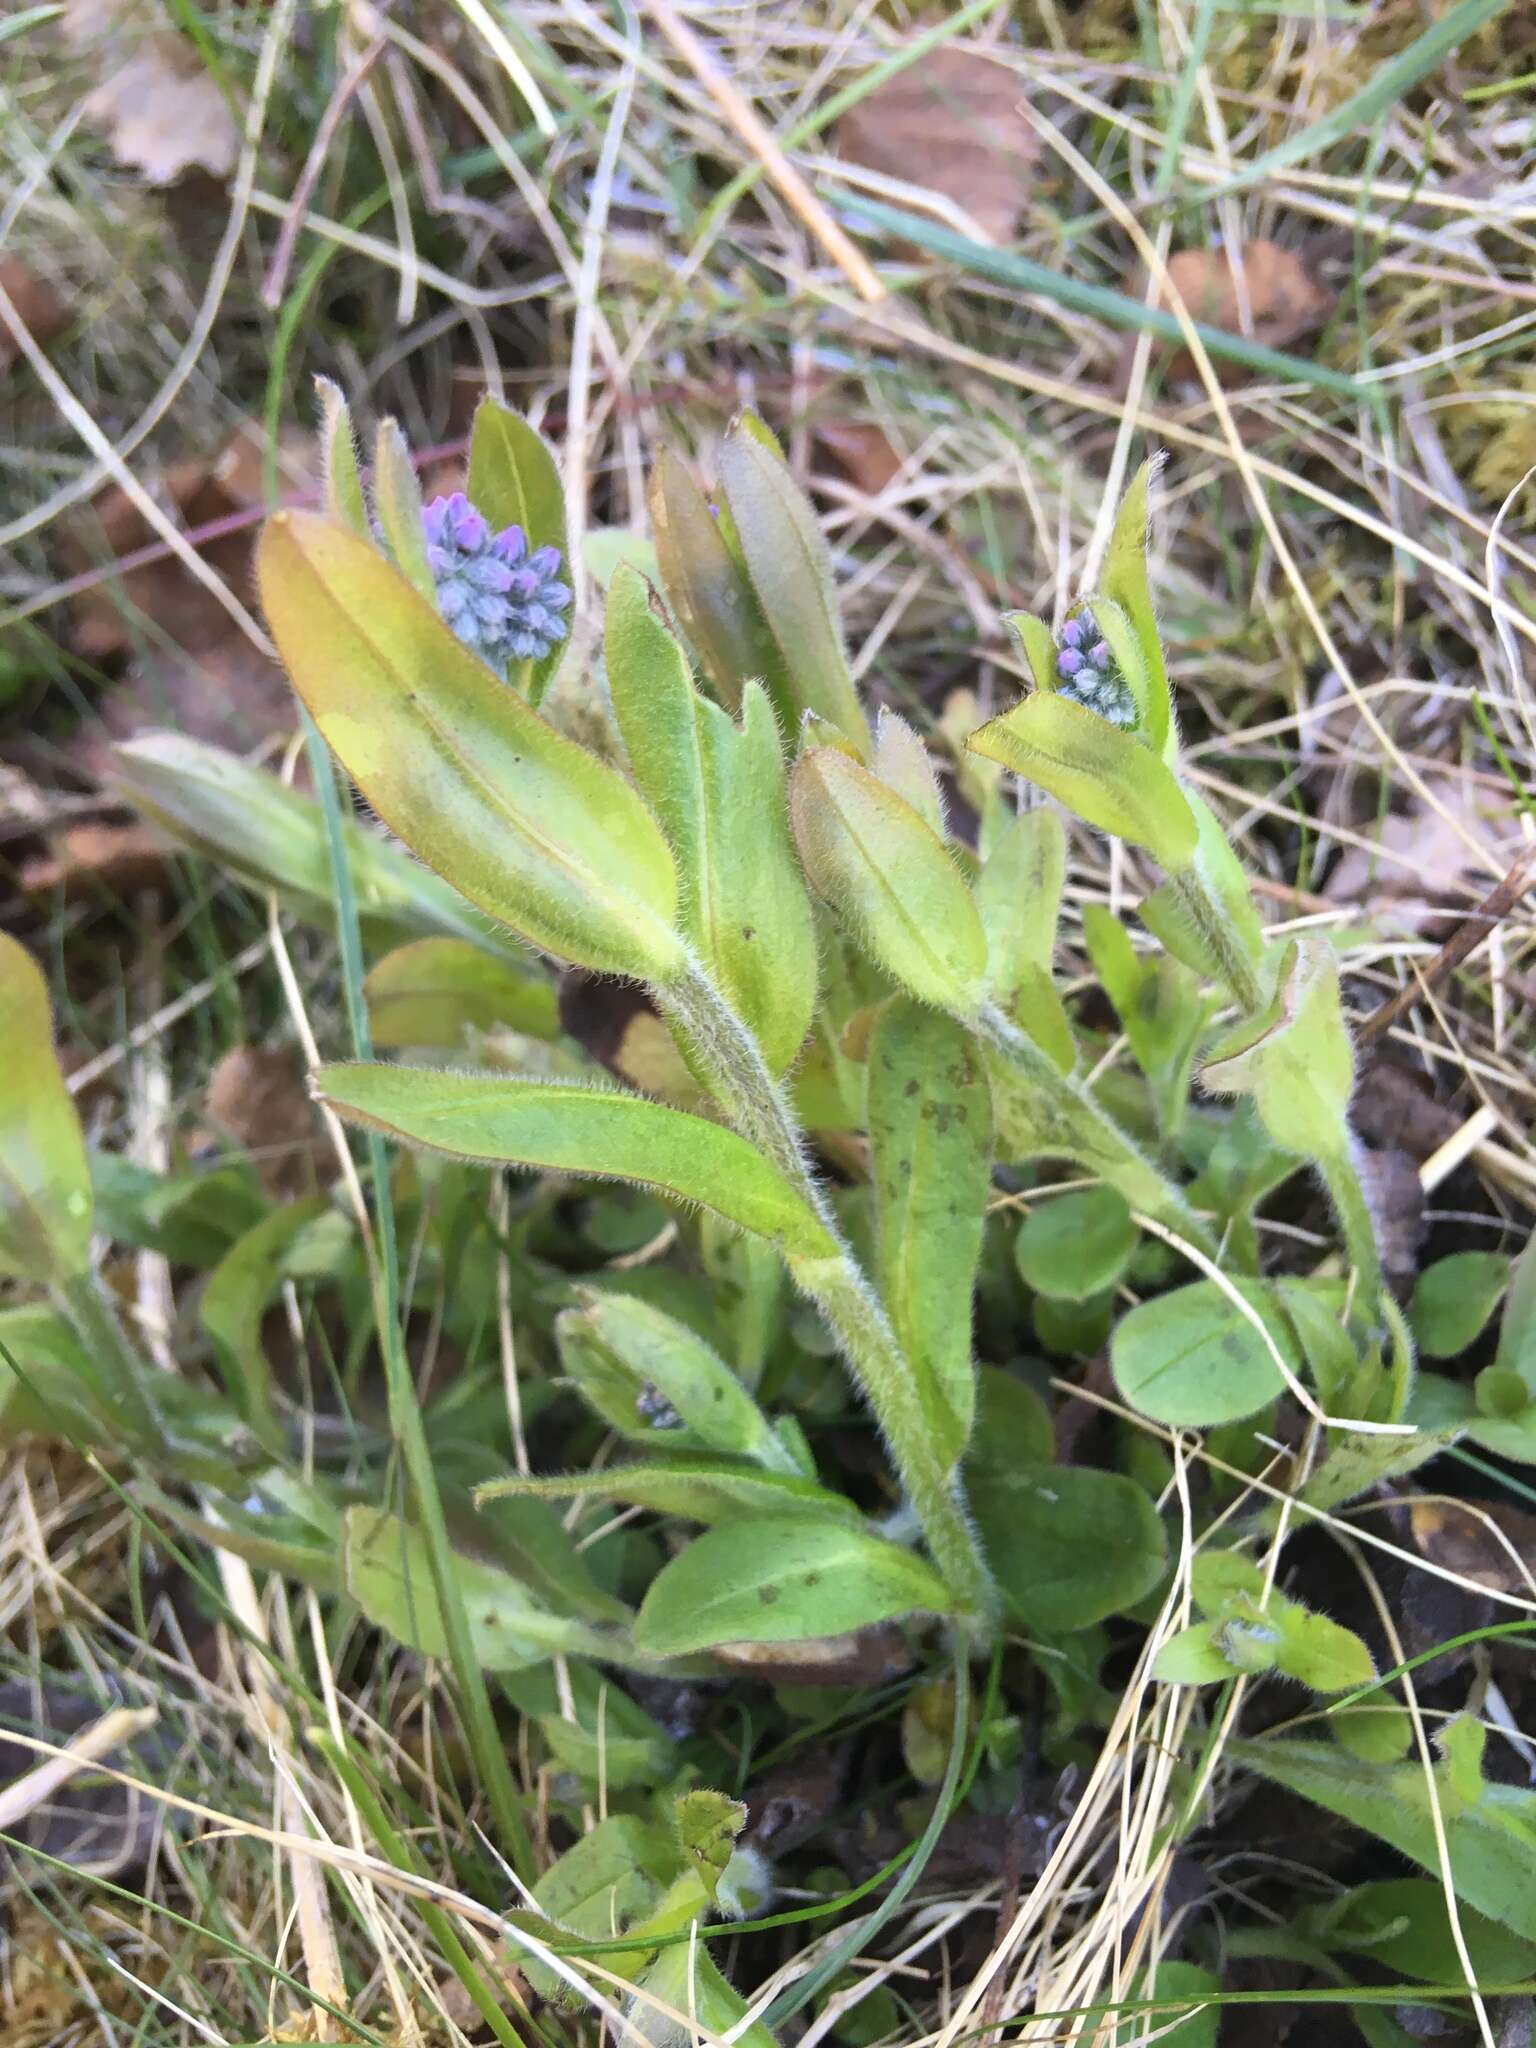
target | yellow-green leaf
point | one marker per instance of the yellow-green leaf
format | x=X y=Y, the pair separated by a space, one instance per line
x=709 y=590
x=1107 y=776
x=565 y=1128
x=519 y=819
x=930 y=1128
x=717 y=789
x=1124 y=579
x=513 y=481
x=271 y=837
x=45 y=1180
x=433 y=991
x=892 y=883
x=787 y=561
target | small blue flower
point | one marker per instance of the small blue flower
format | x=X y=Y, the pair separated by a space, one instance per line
x=506 y=603
x=1089 y=673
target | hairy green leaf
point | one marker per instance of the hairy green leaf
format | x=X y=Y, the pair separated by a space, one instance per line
x=787 y=561
x=889 y=878
x=385 y=1569
x=566 y=1128
x=513 y=481
x=695 y=1487
x=656 y=1381
x=930 y=1130
x=778 y=1579
x=526 y=824
x=1492 y=1844
x=1107 y=776
x=718 y=790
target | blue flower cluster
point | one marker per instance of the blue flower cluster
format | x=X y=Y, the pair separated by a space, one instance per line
x=506 y=603
x=1090 y=675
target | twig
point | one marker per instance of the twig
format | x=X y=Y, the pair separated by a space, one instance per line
x=1467 y=937
x=777 y=168
x=275 y=283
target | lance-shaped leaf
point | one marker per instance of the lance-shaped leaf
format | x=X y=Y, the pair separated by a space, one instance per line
x=718 y=790
x=563 y=1127
x=344 y=498
x=1018 y=896
x=1160 y=1008
x=904 y=764
x=49 y=1383
x=791 y=573
x=655 y=1380
x=1295 y=1059
x=235 y=1301
x=684 y=1979
x=397 y=505
x=384 y=1567
x=890 y=880
x=45 y=1178
x=1491 y=1846
x=777 y=1579
x=930 y=1128
x=519 y=819
x=1124 y=580
x=690 y=1485
x=1108 y=777
x=271 y=837
x=709 y=589
x=433 y=991
x=513 y=481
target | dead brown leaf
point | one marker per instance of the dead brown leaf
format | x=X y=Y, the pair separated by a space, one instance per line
x=162 y=109
x=1284 y=300
x=38 y=306
x=1433 y=864
x=257 y=1097
x=862 y=451
x=97 y=859
x=1486 y=1541
x=954 y=124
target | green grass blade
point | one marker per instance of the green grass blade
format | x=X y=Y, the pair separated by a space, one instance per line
x=1364 y=108
x=1002 y=266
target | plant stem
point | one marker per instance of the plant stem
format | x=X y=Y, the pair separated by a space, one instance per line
x=1214 y=928
x=731 y=1061
x=1348 y=1197
x=1057 y=1113
x=484 y=1738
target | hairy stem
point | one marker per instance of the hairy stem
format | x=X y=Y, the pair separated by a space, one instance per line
x=1054 y=1112
x=1210 y=920
x=1342 y=1180
x=731 y=1061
